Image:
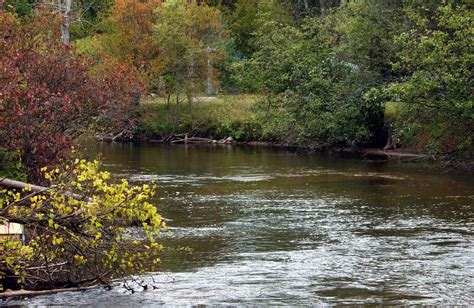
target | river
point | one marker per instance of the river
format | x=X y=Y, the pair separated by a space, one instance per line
x=259 y=226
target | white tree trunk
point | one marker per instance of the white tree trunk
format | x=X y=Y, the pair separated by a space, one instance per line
x=65 y=26
x=306 y=5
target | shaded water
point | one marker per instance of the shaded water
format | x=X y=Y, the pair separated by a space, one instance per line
x=276 y=228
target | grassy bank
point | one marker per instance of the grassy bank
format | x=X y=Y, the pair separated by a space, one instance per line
x=210 y=117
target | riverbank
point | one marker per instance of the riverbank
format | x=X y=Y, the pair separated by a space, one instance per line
x=234 y=119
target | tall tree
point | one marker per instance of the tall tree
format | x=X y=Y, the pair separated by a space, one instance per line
x=311 y=96
x=436 y=58
x=128 y=33
x=189 y=36
x=189 y=39
x=247 y=18
x=50 y=98
x=362 y=33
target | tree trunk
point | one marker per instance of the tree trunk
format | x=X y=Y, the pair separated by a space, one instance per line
x=65 y=26
x=191 y=76
x=323 y=6
x=210 y=91
x=305 y=4
x=28 y=293
x=168 y=111
x=18 y=185
x=135 y=110
x=136 y=98
x=390 y=142
x=175 y=120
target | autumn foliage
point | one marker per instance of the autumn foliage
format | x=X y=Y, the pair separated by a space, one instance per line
x=129 y=35
x=168 y=42
x=50 y=95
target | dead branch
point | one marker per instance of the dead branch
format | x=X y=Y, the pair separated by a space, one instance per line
x=9 y=183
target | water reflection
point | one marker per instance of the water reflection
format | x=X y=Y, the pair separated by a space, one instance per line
x=279 y=228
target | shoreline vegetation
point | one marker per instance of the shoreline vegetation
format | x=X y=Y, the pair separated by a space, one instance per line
x=235 y=120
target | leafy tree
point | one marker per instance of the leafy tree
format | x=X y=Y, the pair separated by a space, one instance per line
x=243 y=21
x=128 y=33
x=86 y=15
x=311 y=94
x=246 y=19
x=48 y=96
x=436 y=57
x=362 y=33
x=189 y=37
x=77 y=230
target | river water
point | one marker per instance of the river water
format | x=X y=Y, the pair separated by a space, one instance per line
x=256 y=226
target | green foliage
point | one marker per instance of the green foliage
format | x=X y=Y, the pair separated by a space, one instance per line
x=11 y=166
x=188 y=36
x=243 y=22
x=325 y=76
x=170 y=43
x=246 y=20
x=22 y=8
x=437 y=58
x=324 y=71
x=88 y=16
x=77 y=230
x=317 y=97
x=362 y=32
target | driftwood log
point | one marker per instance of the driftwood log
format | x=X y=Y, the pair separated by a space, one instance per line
x=25 y=293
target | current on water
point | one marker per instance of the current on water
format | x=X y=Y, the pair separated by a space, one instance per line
x=257 y=226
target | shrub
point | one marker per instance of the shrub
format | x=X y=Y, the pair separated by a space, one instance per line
x=77 y=230
x=48 y=95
